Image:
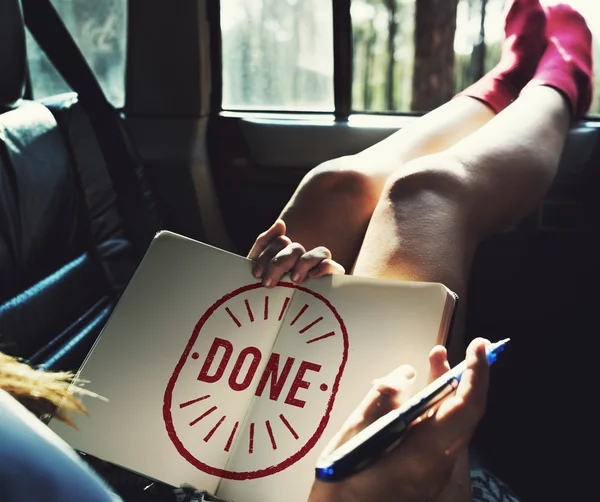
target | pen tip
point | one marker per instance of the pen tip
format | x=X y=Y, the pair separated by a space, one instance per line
x=495 y=349
x=499 y=346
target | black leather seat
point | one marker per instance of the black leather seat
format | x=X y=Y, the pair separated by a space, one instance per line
x=64 y=254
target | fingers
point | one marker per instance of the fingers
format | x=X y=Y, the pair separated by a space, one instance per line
x=277 y=229
x=284 y=261
x=457 y=417
x=438 y=440
x=474 y=383
x=274 y=254
x=470 y=399
x=387 y=394
x=276 y=259
x=308 y=261
x=326 y=267
x=282 y=256
x=438 y=362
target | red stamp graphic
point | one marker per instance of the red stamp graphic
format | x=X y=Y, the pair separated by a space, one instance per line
x=255 y=385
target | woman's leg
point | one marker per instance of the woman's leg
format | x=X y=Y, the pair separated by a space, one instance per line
x=434 y=211
x=334 y=202
x=432 y=215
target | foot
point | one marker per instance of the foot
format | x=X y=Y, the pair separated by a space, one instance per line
x=567 y=62
x=525 y=42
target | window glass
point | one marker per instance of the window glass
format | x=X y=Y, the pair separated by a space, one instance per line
x=45 y=80
x=100 y=30
x=383 y=35
x=277 y=55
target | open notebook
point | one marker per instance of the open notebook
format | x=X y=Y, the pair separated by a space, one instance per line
x=217 y=382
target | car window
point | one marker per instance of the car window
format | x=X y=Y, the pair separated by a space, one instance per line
x=100 y=30
x=278 y=54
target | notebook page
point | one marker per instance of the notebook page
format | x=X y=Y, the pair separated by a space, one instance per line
x=387 y=324
x=161 y=363
x=299 y=378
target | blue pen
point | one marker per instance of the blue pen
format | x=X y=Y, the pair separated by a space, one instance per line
x=386 y=433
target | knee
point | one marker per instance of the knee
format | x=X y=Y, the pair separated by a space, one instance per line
x=341 y=179
x=438 y=177
x=434 y=197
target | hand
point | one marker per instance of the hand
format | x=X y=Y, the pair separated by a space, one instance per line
x=425 y=463
x=274 y=254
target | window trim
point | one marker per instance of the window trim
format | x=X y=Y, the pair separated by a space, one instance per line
x=342 y=59
x=391 y=121
x=213 y=13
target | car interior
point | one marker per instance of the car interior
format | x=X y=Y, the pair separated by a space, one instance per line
x=125 y=117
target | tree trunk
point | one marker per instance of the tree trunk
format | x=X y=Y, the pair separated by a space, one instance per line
x=479 y=49
x=433 y=73
x=369 y=61
x=390 y=84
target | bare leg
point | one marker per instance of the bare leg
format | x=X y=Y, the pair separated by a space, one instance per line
x=333 y=204
x=434 y=132
x=436 y=209
x=432 y=215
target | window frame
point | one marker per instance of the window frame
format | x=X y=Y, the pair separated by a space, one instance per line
x=342 y=78
x=342 y=66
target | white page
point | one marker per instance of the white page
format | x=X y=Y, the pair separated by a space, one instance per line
x=283 y=422
x=147 y=366
x=387 y=323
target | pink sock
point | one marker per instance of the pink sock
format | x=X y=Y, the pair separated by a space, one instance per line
x=567 y=63
x=525 y=42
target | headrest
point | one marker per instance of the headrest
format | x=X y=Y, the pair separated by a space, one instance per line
x=13 y=58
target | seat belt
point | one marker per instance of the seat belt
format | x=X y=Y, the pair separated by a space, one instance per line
x=48 y=29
